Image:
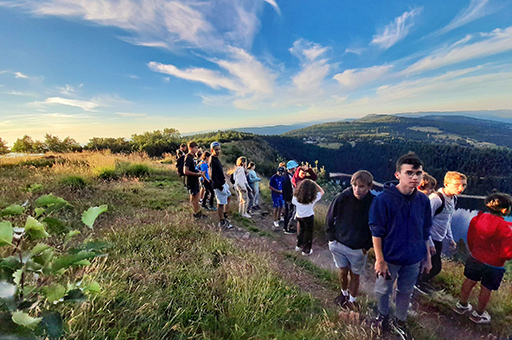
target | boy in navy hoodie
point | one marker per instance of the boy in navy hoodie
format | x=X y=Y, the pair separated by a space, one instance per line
x=400 y=221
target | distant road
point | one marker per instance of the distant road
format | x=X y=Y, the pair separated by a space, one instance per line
x=341 y=174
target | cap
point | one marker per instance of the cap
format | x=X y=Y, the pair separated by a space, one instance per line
x=214 y=144
x=280 y=169
x=291 y=165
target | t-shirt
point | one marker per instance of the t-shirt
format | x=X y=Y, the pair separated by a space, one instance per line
x=276 y=182
x=217 y=173
x=190 y=164
x=203 y=166
x=306 y=210
x=441 y=223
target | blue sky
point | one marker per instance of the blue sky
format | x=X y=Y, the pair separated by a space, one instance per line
x=112 y=68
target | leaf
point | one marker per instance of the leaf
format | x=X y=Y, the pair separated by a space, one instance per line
x=11 y=262
x=7 y=290
x=93 y=287
x=82 y=263
x=74 y=295
x=39 y=211
x=55 y=226
x=55 y=292
x=35 y=187
x=13 y=209
x=35 y=229
x=38 y=249
x=66 y=261
x=45 y=257
x=89 y=216
x=52 y=321
x=71 y=234
x=23 y=319
x=49 y=200
x=17 y=276
x=6 y=233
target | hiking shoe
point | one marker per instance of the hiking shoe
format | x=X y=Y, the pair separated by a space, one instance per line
x=212 y=208
x=276 y=224
x=246 y=215
x=380 y=324
x=400 y=328
x=289 y=231
x=225 y=224
x=297 y=248
x=341 y=300
x=307 y=254
x=480 y=318
x=200 y=215
x=461 y=309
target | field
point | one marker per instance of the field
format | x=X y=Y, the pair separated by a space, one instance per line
x=167 y=276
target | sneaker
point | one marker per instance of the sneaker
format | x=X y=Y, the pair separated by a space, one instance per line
x=200 y=215
x=423 y=289
x=461 y=309
x=297 y=248
x=480 y=318
x=400 y=328
x=212 y=208
x=289 y=231
x=225 y=216
x=380 y=324
x=276 y=224
x=307 y=254
x=341 y=300
x=246 y=215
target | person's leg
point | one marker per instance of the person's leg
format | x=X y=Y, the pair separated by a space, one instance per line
x=465 y=291
x=483 y=299
x=194 y=199
x=287 y=212
x=244 y=196
x=407 y=276
x=354 y=284
x=300 y=236
x=343 y=276
x=308 y=233
x=384 y=288
x=202 y=196
x=256 y=196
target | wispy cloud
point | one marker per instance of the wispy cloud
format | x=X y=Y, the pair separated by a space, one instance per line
x=84 y=105
x=18 y=93
x=476 y=9
x=313 y=70
x=163 y=23
x=495 y=42
x=69 y=90
x=358 y=77
x=17 y=75
x=130 y=114
x=396 y=30
x=357 y=51
x=245 y=75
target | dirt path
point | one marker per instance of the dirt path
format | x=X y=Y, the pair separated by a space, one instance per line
x=429 y=319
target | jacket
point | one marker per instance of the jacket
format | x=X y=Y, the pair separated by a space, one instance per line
x=490 y=239
x=403 y=223
x=287 y=187
x=347 y=220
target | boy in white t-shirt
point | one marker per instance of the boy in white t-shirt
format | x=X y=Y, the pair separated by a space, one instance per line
x=304 y=199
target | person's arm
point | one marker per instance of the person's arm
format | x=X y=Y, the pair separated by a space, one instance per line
x=320 y=190
x=330 y=219
x=427 y=224
x=274 y=189
x=381 y=267
x=187 y=172
x=312 y=175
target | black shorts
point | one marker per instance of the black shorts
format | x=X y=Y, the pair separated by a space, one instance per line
x=193 y=186
x=489 y=276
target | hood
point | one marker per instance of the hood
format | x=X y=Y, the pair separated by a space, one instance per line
x=390 y=188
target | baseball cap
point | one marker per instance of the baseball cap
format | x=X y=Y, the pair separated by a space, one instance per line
x=280 y=169
x=291 y=165
x=214 y=144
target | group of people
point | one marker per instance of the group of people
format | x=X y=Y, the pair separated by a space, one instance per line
x=406 y=225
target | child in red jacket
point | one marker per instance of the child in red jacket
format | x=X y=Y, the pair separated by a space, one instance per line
x=490 y=244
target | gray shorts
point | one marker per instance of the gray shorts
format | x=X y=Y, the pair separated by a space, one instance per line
x=345 y=257
x=222 y=195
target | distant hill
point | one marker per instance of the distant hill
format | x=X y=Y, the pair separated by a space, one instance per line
x=495 y=115
x=440 y=129
x=276 y=129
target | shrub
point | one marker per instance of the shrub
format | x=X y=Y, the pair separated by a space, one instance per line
x=106 y=173
x=73 y=181
x=137 y=170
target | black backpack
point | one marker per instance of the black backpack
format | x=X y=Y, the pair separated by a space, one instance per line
x=441 y=207
x=180 y=163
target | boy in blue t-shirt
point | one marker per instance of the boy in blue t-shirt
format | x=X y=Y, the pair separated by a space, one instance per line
x=276 y=187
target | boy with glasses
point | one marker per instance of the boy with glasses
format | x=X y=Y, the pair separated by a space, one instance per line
x=400 y=221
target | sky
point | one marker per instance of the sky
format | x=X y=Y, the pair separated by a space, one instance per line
x=113 y=68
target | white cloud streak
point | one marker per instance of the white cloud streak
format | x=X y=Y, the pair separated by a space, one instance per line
x=396 y=30
x=476 y=9
x=358 y=77
x=84 y=105
x=498 y=41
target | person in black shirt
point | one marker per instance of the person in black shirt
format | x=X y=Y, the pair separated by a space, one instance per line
x=349 y=235
x=220 y=187
x=192 y=178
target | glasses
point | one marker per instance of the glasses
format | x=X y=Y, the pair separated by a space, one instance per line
x=411 y=174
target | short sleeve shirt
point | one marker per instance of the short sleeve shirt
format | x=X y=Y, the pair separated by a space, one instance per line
x=276 y=182
x=190 y=164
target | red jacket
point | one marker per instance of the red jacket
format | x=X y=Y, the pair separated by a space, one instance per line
x=297 y=178
x=490 y=239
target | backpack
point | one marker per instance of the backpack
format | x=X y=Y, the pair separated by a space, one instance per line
x=232 y=178
x=180 y=163
x=441 y=207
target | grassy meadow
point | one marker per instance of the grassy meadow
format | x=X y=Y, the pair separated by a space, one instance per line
x=168 y=276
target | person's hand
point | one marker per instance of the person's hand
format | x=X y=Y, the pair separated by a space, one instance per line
x=432 y=250
x=381 y=268
x=453 y=245
x=427 y=265
x=364 y=251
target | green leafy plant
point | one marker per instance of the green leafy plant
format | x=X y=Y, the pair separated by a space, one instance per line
x=35 y=277
x=74 y=182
